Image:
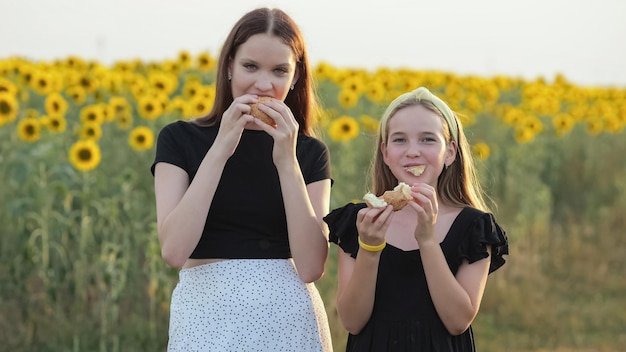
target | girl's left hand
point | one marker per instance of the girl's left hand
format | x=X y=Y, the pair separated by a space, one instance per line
x=425 y=205
x=285 y=133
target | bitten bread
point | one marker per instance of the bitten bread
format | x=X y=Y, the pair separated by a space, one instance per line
x=256 y=112
x=399 y=197
x=416 y=170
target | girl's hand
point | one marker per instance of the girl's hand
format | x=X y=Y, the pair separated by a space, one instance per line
x=425 y=205
x=285 y=133
x=372 y=224
x=233 y=121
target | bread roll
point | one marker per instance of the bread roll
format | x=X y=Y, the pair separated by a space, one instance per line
x=416 y=170
x=256 y=112
x=399 y=197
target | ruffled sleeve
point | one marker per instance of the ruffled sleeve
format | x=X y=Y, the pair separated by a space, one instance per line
x=483 y=232
x=342 y=225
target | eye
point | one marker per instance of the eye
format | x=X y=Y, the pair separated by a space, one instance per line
x=398 y=140
x=281 y=71
x=250 y=67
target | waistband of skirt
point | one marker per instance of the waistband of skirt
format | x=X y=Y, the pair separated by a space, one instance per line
x=236 y=265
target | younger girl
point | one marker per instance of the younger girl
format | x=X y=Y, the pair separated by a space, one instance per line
x=413 y=280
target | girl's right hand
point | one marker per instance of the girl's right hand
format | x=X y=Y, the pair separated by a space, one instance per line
x=233 y=122
x=372 y=224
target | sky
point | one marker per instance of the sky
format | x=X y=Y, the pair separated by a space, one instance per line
x=583 y=40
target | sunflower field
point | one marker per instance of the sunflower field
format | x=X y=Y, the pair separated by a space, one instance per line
x=80 y=266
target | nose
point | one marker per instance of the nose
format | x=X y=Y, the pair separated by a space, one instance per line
x=413 y=150
x=263 y=82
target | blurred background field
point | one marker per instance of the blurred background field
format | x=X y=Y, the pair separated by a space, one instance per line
x=81 y=267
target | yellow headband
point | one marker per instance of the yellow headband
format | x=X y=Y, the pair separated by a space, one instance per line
x=418 y=94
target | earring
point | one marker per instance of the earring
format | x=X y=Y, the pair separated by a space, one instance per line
x=292 y=86
x=230 y=76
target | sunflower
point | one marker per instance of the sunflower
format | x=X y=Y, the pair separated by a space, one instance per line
x=206 y=62
x=92 y=113
x=41 y=82
x=481 y=150
x=184 y=59
x=85 y=155
x=77 y=94
x=56 y=123
x=31 y=113
x=138 y=86
x=388 y=78
x=324 y=71
x=149 y=107
x=200 y=106
x=124 y=121
x=354 y=83
x=75 y=62
x=141 y=138
x=594 y=127
x=171 y=66
x=118 y=106
x=369 y=123
x=534 y=123
x=55 y=104
x=179 y=108
x=375 y=91
x=343 y=129
x=524 y=135
x=163 y=99
x=90 y=131
x=8 y=108
x=348 y=98
x=29 y=130
x=191 y=89
x=7 y=86
x=563 y=123
x=112 y=82
x=208 y=92
x=163 y=82
x=88 y=83
x=514 y=116
x=473 y=103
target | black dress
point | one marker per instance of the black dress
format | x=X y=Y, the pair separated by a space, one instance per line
x=404 y=316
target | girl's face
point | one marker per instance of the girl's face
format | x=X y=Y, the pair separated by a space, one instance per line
x=415 y=138
x=264 y=66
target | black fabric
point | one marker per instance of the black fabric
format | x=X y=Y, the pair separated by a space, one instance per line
x=404 y=317
x=247 y=217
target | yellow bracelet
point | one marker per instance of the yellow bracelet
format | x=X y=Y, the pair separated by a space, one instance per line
x=369 y=248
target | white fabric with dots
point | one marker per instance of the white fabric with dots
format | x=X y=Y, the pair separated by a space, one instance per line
x=247 y=305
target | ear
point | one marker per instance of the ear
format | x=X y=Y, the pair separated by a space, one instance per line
x=383 y=151
x=296 y=75
x=451 y=153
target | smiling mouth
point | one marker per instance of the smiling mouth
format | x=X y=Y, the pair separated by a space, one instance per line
x=416 y=170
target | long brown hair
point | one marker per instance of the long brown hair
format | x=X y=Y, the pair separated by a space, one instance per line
x=301 y=100
x=458 y=184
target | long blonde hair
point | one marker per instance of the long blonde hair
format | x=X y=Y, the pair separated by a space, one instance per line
x=458 y=184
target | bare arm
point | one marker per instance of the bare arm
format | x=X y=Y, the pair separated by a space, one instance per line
x=182 y=207
x=305 y=207
x=456 y=299
x=357 y=277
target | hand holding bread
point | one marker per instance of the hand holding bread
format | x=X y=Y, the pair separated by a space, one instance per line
x=399 y=197
x=256 y=112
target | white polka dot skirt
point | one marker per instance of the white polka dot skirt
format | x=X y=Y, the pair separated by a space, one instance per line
x=247 y=305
